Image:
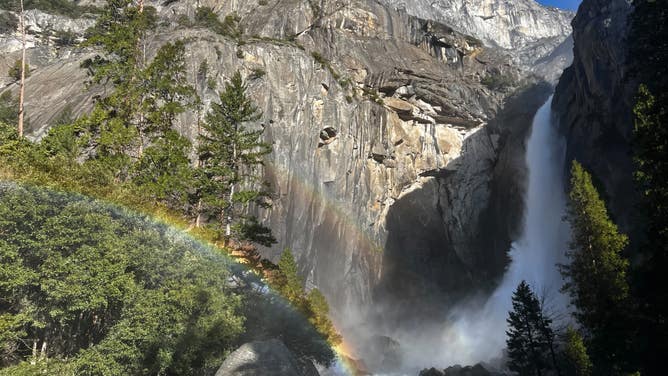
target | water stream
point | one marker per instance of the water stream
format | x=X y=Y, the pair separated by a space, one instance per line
x=476 y=331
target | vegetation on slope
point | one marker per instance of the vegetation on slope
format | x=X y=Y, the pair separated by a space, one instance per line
x=98 y=291
x=92 y=298
x=620 y=294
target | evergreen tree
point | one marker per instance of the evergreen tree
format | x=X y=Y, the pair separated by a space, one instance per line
x=529 y=334
x=651 y=279
x=146 y=96
x=164 y=171
x=596 y=274
x=647 y=62
x=230 y=154
x=105 y=292
x=287 y=282
x=319 y=316
x=576 y=359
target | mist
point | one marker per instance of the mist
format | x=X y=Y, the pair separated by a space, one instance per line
x=475 y=330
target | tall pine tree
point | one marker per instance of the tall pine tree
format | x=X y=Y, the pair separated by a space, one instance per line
x=231 y=152
x=596 y=274
x=530 y=336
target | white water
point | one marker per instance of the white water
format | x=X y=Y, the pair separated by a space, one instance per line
x=476 y=332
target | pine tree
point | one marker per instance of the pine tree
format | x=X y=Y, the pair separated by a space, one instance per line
x=289 y=283
x=529 y=334
x=230 y=154
x=146 y=96
x=596 y=273
x=577 y=362
x=118 y=118
x=320 y=317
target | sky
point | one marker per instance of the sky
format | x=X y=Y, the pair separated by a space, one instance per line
x=565 y=4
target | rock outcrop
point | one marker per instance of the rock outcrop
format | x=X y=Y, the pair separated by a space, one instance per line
x=594 y=100
x=536 y=36
x=476 y=370
x=265 y=358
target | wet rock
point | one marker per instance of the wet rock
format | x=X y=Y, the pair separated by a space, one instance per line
x=431 y=372
x=384 y=354
x=476 y=370
x=264 y=358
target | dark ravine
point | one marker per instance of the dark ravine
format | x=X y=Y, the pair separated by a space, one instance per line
x=594 y=99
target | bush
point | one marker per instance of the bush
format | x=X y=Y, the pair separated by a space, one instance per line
x=92 y=260
x=15 y=70
x=66 y=38
x=257 y=73
x=206 y=17
x=8 y=108
x=498 y=81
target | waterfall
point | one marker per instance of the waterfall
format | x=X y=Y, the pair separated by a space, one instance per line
x=476 y=330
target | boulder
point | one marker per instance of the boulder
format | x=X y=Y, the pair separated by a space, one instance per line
x=476 y=370
x=431 y=372
x=265 y=358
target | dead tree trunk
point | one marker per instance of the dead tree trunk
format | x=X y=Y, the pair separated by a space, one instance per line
x=23 y=71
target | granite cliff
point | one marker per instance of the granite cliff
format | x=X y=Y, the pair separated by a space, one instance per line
x=535 y=36
x=398 y=141
x=595 y=97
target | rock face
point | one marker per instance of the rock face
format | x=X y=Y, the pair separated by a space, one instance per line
x=42 y=29
x=264 y=358
x=476 y=370
x=530 y=32
x=397 y=173
x=595 y=98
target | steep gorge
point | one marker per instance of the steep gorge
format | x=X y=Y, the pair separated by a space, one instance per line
x=398 y=166
x=595 y=97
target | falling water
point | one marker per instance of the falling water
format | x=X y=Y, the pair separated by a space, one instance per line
x=475 y=331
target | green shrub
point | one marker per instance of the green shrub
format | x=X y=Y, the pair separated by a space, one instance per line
x=211 y=83
x=66 y=38
x=498 y=81
x=8 y=108
x=257 y=73
x=184 y=20
x=15 y=70
x=206 y=17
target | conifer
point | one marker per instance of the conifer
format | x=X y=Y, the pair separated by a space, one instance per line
x=231 y=151
x=596 y=272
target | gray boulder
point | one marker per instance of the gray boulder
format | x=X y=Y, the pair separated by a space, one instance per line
x=265 y=358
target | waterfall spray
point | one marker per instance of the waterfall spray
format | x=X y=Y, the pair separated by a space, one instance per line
x=476 y=331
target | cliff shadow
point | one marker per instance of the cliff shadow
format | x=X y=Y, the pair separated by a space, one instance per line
x=440 y=247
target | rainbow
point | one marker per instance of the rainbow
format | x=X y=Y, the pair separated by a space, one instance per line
x=346 y=222
x=345 y=365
